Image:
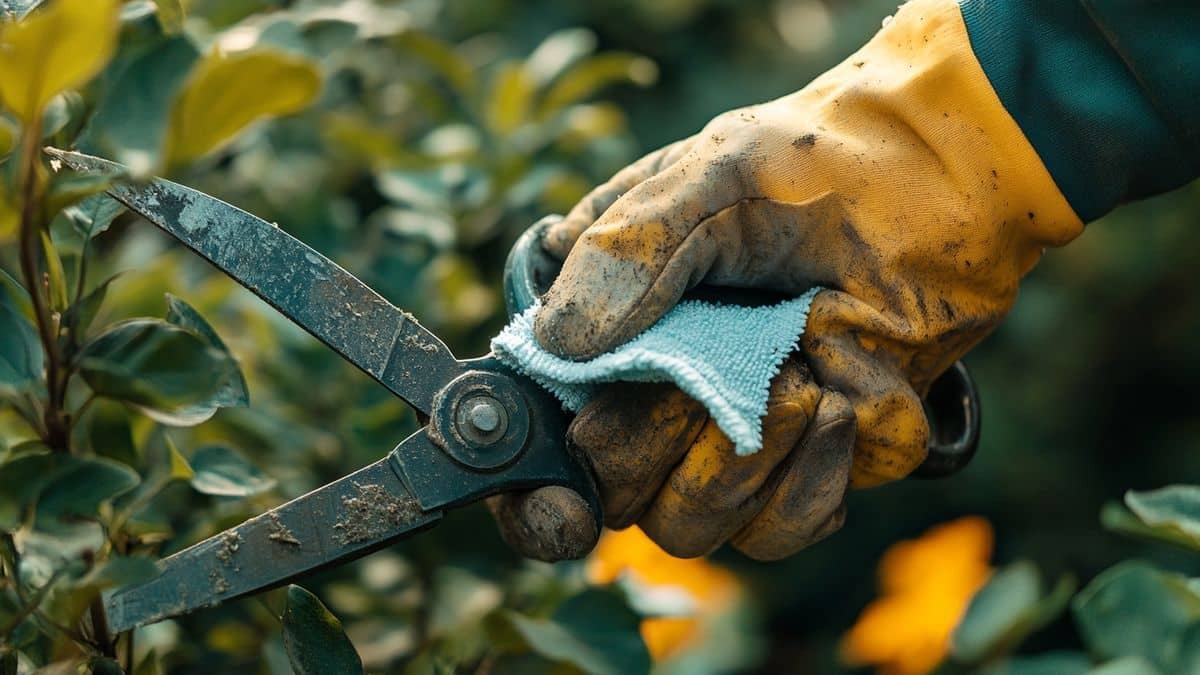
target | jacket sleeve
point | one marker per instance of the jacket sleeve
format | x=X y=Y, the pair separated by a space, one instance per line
x=1106 y=91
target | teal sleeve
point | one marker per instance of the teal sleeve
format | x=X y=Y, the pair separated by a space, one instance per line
x=1106 y=91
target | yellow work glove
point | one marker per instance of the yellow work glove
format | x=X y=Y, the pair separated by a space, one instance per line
x=896 y=180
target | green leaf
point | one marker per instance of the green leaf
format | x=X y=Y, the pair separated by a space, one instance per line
x=55 y=278
x=120 y=571
x=14 y=295
x=591 y=75
x=169 y=373
x=227 y=92
x=21 y=355
x=170 y=15
x=222 y=471
x=1049 y=663
x=233 y=391
x=80 y=315
x=94 y=214
x=100 y=665
x=57 y=48
x=130 y=123
x=1134 y=609
x=77 y=491
x=1130 y=665
x=177 y=466
x=439 y=57
x=594 y=631
x=313 y=637
x=8 y=136
x=1117 y=518
x=109 y=434
x=71 y=187
x=1176 y=507
x=150 y=664
x=21 y=479
x=510 y=100
x=1006 y=611
x=559 y=51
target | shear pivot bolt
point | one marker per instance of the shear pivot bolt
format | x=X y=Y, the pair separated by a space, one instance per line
x=481 y=419
x=484 y=416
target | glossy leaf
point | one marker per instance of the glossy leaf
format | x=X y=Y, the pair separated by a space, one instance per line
x=1176 y=507
x=56 y=279
x=68 y=188
x=130 y=124
x=77 y=490
x=21 y=354
x=314 y=639
x=595 y=632
x=227 y=92
x=178 y=466
x=167 y=372
x=591 y=75
x=1005 y=611
x=93 y=215
x=21 y=479
x=1134 y=609
x=224 y=472
x=1118 y=518
x=15 y=295
x=558 y=52
x=80 y=315
x=439 y=57
x=233 y=391
x=109 y=434
x=120 y=571
x=510 y=100
x=170 y=15
x=8 y=136
x=58 y=47
x=1050 y=663
x=1129 y=665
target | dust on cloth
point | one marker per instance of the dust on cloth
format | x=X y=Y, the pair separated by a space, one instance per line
x=722 y=355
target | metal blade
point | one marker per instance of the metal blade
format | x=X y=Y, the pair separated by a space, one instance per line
x=310 y=289
x=367 y=510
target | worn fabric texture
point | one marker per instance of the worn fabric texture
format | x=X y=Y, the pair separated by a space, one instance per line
x=722 y=355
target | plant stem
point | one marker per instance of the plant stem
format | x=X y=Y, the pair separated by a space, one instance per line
x=57 y=436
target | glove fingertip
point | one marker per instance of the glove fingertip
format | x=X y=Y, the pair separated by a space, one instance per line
x=549 y=524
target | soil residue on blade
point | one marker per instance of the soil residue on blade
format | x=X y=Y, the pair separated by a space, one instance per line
x=373 y=512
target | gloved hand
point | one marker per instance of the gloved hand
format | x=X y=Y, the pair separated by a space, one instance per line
x=896 y=180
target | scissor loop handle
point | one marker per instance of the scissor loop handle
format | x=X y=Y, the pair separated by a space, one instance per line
x=951 y=407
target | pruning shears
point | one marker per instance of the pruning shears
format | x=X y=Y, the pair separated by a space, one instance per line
x=489 y=429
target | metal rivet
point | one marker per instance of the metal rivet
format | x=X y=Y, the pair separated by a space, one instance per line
x=484 y=415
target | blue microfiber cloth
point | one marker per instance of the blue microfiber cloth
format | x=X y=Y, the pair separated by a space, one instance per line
x=721 y=355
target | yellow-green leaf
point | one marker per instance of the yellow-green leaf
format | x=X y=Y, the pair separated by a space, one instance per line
x=226 y=93
x=510 y=100
x=180 y=469
x=170 y=15
x=56 y=279
x=54 y=49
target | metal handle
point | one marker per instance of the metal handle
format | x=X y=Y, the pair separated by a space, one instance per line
x=951 y=406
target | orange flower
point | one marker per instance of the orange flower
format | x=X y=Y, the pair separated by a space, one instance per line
x=694 y=586
x=925 y=584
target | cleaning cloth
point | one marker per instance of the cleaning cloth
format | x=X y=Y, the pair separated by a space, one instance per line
x=722 y=355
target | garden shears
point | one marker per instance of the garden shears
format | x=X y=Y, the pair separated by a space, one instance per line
x=489 y=429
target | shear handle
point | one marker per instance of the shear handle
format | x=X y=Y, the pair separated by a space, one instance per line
x=951 y=406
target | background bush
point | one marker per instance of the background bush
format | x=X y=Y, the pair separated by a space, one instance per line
x=412 y=142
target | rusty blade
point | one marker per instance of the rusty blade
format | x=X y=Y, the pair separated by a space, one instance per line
x=313 y=291
x=348 y=518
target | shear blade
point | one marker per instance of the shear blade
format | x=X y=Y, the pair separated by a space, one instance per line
x=348 y=518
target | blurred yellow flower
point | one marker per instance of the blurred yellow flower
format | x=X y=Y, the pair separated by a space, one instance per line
x=690 y=589
x=925 y=585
